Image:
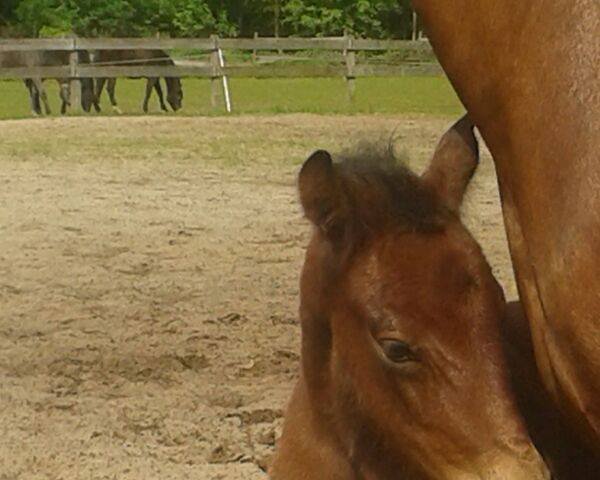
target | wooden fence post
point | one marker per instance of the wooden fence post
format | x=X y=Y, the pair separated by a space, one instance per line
x=350 y=55
x=414 y=25
x=75 y=82
x=254 y=52
x=225 y=81
x=216 y=72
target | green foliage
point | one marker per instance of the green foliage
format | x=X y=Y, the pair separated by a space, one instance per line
x=177 y=18
x=192 y=18
x=365 y=18
x=312 y=18
x=7 y=11
x=92 y=18
x=184 y=18
x=126 y=18
x=36 y=15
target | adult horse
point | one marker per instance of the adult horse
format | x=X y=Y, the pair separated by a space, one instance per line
x=403 y=375
x=566 y=455
x=48 y=58
x=529 y=73
x=121 y=58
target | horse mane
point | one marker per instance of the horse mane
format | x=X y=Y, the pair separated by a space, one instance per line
x=383 y=192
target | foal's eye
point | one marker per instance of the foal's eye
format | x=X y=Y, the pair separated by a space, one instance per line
x=397 y=351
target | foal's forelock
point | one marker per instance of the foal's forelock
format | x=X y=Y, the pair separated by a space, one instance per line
x=384 y=193
x=364 y=194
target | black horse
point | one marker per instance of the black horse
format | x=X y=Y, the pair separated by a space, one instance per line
x=135 y=58
x=35 y=86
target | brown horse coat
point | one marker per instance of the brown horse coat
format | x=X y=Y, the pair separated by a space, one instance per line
x=529 y=74
x=565 y=454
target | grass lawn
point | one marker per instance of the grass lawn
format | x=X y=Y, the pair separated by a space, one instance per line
x=427 y=95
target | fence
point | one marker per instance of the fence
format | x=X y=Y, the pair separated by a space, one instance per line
x=418 y=59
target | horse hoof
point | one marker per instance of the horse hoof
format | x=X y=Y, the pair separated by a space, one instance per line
x=117 y=110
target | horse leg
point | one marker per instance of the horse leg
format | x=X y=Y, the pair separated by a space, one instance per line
x=150 y=81
x=161 y=97
x=110 y=88
x=39 y=85
x=98 y=93
x=34 y=98
x=65 y=95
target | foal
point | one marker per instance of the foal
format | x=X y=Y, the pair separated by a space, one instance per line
x=402 y=371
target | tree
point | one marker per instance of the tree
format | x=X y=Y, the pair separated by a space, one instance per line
x=366 y=18
x=7 y=11
x=33 y=16
x=178 y=18
x=241 y=17
x=108 y=17
x=192 y=18
x=142 y=17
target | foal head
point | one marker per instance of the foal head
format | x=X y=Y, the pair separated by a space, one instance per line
x=401 y=349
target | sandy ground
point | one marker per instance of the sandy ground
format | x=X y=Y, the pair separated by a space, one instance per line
x=149 y=287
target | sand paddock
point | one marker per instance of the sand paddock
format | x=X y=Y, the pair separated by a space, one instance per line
x=149 y=287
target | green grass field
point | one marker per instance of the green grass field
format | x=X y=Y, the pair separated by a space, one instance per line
x=426 y=95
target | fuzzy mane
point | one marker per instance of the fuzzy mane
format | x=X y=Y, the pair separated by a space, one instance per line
x=383 y=192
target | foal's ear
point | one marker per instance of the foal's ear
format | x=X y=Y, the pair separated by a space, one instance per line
x=320 y=194
x=453 y=164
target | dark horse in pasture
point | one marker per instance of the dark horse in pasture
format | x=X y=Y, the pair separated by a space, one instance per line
x=123 y=58
x=529 y=75
x=403 y=369
x=49 y=58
